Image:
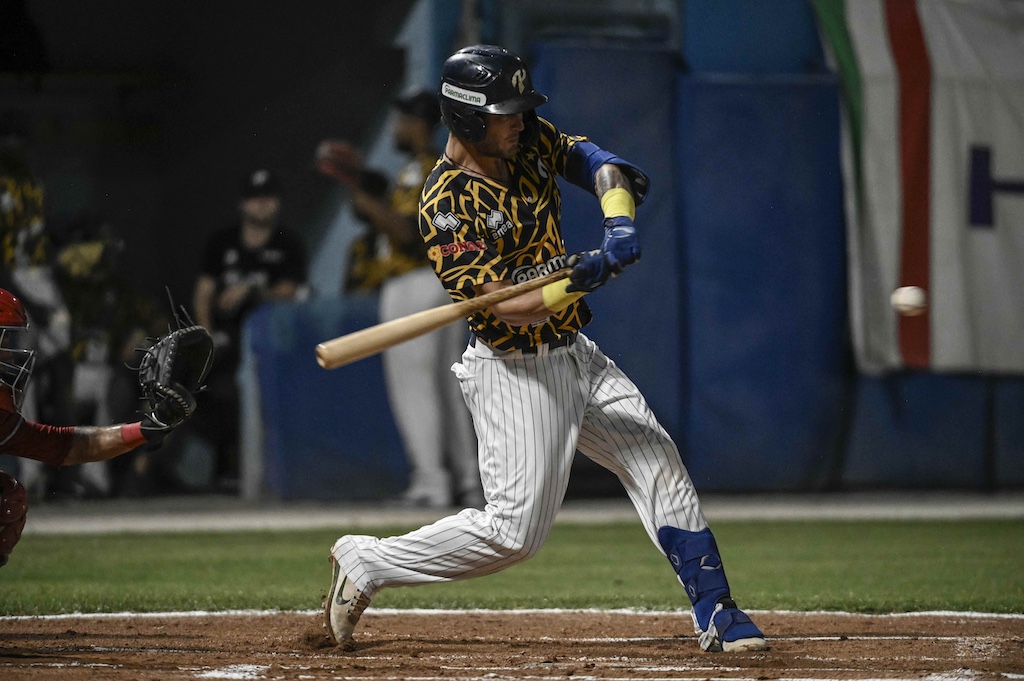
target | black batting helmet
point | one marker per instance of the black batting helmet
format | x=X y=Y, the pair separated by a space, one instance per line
x=486 y=79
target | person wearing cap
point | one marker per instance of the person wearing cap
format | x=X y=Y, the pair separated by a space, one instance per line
x=426 y=401
x=255 y=259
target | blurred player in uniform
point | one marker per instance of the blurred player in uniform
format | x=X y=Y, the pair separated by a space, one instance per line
x=537 y=387
x=436 y=429
x=52 y=445
x=254 y=260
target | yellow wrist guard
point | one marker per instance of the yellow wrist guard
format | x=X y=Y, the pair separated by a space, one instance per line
x=556 y=298
x=618 y=201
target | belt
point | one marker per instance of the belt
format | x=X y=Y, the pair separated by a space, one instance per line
x=560 y=342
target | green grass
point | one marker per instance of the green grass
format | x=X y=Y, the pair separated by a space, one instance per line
x=859 y=566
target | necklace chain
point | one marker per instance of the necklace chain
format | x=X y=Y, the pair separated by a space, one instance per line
x=474 y=171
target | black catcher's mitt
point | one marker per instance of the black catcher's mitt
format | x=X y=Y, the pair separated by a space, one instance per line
x=172 y=370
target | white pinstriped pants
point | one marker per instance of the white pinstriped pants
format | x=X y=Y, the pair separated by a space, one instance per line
x=531 y=414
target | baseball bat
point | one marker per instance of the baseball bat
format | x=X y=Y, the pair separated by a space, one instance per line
x=373 y=339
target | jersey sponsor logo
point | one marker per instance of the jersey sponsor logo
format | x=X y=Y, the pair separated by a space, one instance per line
x=498 y=224
x=455 y=248
x=445 y=221
x=528 y=272
x=462 y=95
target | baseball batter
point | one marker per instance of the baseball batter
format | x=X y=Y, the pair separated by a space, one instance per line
x=538 y=388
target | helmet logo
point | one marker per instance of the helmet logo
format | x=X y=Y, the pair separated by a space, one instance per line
x=519 y=80
x=463 y=95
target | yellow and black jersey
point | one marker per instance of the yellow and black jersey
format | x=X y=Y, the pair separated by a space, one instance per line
x=24 y=239
x=375 y=258
x=479 y=230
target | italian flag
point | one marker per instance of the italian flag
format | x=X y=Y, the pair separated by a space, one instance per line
x=933 y=154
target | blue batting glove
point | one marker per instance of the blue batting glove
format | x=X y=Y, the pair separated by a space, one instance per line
x=590 y=270
x=621 y=244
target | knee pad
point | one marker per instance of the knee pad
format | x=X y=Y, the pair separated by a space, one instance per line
x=13 y=512
x=694 y=557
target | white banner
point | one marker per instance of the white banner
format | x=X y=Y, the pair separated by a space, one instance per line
x=941 y=206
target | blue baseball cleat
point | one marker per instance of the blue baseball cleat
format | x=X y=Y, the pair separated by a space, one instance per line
x=729 y=629
x=720 y=625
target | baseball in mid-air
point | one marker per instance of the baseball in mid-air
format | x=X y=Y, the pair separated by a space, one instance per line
x=909 y=301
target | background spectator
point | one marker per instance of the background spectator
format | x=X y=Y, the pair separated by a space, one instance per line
x=254 y=260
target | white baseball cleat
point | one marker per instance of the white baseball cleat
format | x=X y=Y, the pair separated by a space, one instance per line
x=343 y=606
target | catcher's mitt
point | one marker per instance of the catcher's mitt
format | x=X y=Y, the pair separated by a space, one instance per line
x=172 y=370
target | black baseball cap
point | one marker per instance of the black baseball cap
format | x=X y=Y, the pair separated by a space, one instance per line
x=422 y=105
x=260 y=182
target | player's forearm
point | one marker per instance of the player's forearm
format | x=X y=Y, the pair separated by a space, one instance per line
x=98 y=443
x=283 y=290
x=519 y=311
x=202 y=301
x=609 y=177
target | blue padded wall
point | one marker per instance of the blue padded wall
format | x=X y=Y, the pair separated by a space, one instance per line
x=764 y=256
x=919 y=430
x=622 y=100
x=750 y=37
x=327 y=434
x=1008 y=431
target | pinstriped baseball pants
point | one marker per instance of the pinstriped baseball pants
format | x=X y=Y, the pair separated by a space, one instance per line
x=531 y=414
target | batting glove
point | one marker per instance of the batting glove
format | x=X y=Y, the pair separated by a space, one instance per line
x=621 y=244
x=590 y=270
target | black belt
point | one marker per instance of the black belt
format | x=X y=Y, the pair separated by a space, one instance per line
x=560 y=342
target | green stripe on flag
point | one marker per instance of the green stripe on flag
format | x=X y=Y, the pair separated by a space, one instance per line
x=831 y=16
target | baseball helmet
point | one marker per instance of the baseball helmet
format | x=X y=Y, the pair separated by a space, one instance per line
x=15 y=364
x=486 y=79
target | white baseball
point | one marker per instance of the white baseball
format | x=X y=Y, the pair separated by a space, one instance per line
x=909 y=301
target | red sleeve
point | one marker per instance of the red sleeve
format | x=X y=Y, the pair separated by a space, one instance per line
x=30 y=440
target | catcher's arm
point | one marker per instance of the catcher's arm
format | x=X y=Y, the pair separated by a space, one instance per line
x=96 y=443
x=167 y=410
x=99 y=443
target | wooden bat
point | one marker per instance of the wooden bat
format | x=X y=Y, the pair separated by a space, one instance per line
x=373 y=339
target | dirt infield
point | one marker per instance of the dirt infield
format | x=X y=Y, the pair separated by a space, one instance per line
x=506 y=645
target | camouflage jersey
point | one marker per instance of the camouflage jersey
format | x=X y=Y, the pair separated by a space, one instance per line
x=479 y=230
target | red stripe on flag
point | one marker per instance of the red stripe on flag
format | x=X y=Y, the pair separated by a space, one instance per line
x=915 y=88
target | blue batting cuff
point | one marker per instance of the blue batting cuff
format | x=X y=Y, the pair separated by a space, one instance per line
x=583 y=160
